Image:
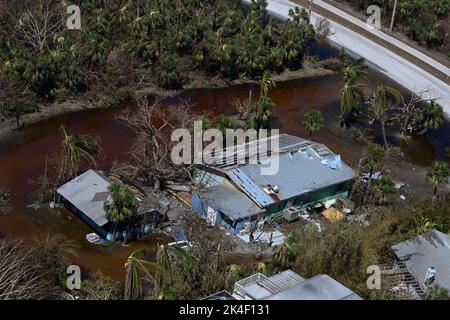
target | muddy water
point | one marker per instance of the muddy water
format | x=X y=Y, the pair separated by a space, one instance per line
x=22 y=156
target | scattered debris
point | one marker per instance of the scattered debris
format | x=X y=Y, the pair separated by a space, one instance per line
x=273 y=238
x=92 y=237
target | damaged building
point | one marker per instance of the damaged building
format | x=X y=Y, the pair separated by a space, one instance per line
x=234 y=194
x=85 y=196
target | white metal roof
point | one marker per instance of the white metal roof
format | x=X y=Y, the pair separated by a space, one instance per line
x=431 y=249
x=87 y=193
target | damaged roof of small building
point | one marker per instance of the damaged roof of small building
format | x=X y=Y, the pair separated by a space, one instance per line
x=303 y=166
x=298 y=173
x=431 y=249
x=87 y=193
x=235 y=204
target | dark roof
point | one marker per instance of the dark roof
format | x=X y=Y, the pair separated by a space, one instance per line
x=431 y=249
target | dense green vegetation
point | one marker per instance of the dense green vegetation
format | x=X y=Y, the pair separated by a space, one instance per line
x=345 y=250
x=384 y=105
x=424 y=21
x=162 y=43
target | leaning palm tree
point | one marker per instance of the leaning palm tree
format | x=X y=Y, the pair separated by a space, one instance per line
x=351 y=98
x=120 y=206
x=165 y=258
x=353 y=70
x=76 y=149
x=437 y=175
x=56 y=253
x=136 y=269
x=384 y=98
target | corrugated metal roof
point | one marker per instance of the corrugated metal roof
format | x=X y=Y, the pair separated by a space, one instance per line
x=297 y=174
x=431 y=249
x=258 y=286
x=253 y=150
x=320 y=287
x=282 y=281
x=87 y=193
x=230 y=201
x=240 y=178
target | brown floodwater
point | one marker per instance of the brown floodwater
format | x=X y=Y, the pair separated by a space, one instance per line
x=22 y=156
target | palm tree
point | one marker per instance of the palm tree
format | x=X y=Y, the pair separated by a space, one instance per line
x=120 y=206
x=165 y=257
x=352 y=95
x=437 y=174
x=223 y=122
x=354 y=70
x=313 y=121
x=383 y=99
x=56 y=253
x=267 y=83
x=136 y=268
x=263 y=111
x=431 y=117
x=77 y=149
x=387 y=189
x=424 y=225
x=374 y=161
x=437 y=292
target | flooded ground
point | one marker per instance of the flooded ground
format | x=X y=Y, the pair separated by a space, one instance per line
x=22 y=156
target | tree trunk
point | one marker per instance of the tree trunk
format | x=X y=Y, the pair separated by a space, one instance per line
x=114 y=232
x=383 y=129
x=310 y=133
x=367 y=190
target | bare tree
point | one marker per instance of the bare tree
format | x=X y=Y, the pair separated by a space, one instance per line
x=15 y=98
x=38 y=22
x=154 y=124
x=323 y=29
x=22 y=276
x=406 y=110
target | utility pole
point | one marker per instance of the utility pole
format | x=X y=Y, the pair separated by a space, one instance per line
x=393 y=16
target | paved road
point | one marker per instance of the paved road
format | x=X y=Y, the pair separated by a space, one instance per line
x=417 y=77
